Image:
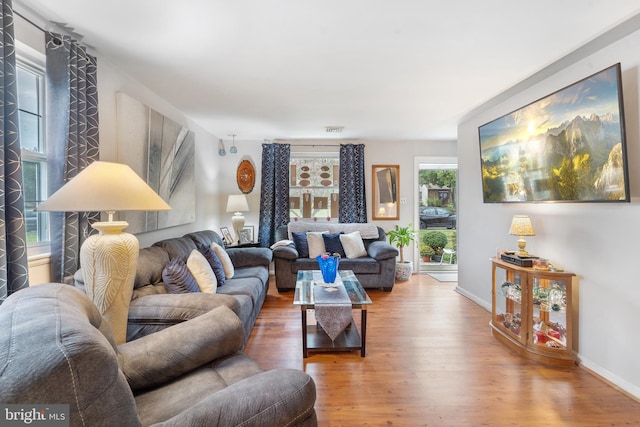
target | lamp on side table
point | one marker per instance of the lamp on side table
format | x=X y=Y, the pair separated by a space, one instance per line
x=108 y=259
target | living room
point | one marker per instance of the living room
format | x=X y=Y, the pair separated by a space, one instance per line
x=584 y=238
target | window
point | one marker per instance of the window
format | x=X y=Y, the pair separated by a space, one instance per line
x=33 y=146
x=313 y=187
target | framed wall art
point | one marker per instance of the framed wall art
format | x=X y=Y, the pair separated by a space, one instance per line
x=569 y=146
x=386 y=191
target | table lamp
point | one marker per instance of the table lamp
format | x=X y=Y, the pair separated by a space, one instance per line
x=237 y=203
x=521 y=226
x=108 y=259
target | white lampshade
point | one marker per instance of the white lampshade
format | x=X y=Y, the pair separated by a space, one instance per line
x=237 y=203
x=104 y=186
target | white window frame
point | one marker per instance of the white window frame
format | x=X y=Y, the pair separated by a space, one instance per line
x=299 y=155
x=33 y=61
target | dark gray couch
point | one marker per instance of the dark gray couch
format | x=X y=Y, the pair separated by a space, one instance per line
x=56 y=348
x=153 y=309
x=377 y=270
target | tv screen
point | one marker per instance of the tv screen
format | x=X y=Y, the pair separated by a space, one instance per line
x=567 y=147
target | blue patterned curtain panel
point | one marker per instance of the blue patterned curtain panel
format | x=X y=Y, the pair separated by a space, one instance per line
x=353 y=196
x=72 y=136
x=13 y=243
x=274 y=193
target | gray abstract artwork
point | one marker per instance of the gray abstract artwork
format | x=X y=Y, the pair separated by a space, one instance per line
x=162 y=152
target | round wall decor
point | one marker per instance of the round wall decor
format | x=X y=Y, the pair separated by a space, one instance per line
x=246 y=176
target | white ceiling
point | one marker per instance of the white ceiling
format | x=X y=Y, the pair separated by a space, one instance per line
x=383 y=69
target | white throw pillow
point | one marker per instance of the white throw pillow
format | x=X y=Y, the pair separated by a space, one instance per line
x=353 y=245
x=229 y=271
x=201 y=270
x=316 y=243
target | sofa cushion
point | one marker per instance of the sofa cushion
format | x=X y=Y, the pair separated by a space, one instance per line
x=353 y=245
x=215 y=263
x=225 y=259
x=316 y=243
x=177 y=278
x=301 y=243
x=332 y=244
x=201 y=271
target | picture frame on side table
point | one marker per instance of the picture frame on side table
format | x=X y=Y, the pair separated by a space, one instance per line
x=226 y=236
x=246 y=234
x=386 y=191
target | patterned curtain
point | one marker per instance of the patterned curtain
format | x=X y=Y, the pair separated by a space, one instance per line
x=72 y=135
x=353 y=196
x=14 y=274
x=274 y=193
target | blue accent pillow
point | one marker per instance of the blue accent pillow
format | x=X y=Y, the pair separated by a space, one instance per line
x=215 y=263
x=178 y=279
x=332 y=243
x=302 y=245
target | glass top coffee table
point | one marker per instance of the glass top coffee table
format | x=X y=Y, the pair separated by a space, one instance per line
x=313 y=336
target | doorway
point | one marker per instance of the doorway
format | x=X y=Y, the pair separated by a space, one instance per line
x=436 y=211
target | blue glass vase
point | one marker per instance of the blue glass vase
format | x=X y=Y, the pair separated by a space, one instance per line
x=328 y=268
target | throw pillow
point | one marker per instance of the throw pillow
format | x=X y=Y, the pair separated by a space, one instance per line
x=229 y=271
x=215 y=263
x=353 y=245
x=332 y=243
x=316 y=243
x=302 y=245
x=177 y=279
x=201 y=271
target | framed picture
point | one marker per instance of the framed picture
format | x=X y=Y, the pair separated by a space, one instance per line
x=386 y=190
x=226 y=235
x=569 y=146
x=246 y=234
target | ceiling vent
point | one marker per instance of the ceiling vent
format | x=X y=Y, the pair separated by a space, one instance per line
x=334 y=129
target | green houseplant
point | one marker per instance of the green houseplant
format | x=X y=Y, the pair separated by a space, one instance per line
x=401 y=237
x=437 y=240
x=426 y=252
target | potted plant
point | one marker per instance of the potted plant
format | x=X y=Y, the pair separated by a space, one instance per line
x=401 y=237
x=437 y=240
x=426 y=252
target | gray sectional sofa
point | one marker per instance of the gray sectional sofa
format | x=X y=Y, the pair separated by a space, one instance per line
x=374 y=270
x=56 y=349
x=153 y=309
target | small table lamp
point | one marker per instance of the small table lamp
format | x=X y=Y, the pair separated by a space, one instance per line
x=108 y=259
x=521 y=226
x=237 y=203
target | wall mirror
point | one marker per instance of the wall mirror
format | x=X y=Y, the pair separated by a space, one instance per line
x=386 y=191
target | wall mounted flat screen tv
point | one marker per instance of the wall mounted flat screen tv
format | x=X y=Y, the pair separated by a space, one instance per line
x=566 y=147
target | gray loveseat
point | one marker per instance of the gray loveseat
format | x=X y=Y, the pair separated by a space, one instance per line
x=153 y=309
x=56 y=348
x=375 y=270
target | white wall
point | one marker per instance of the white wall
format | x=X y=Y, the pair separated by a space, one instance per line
x=595 y=241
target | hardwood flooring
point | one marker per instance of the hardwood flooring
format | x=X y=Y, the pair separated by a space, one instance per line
x=432 y=361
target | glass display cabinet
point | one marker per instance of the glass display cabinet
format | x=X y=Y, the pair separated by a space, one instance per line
x=534 y=311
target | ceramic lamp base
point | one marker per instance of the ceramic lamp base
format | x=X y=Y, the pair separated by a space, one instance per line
x=108 y=263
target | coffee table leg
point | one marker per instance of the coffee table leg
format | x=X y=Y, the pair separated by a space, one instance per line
x=363 y=319
x=304 y=331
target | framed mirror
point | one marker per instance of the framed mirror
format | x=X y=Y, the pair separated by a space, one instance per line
x=386 y=192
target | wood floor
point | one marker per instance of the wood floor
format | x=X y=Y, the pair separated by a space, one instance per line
x=432 y=361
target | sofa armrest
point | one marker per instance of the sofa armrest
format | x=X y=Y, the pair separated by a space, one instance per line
x=172 y=352
x=379 y=250
x=286 y=252
x=280 y=397
x=250 y=257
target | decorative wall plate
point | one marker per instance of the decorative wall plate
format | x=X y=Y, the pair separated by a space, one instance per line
x=246 y=177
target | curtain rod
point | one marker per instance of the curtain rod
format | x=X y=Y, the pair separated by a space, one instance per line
x=29 y=21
